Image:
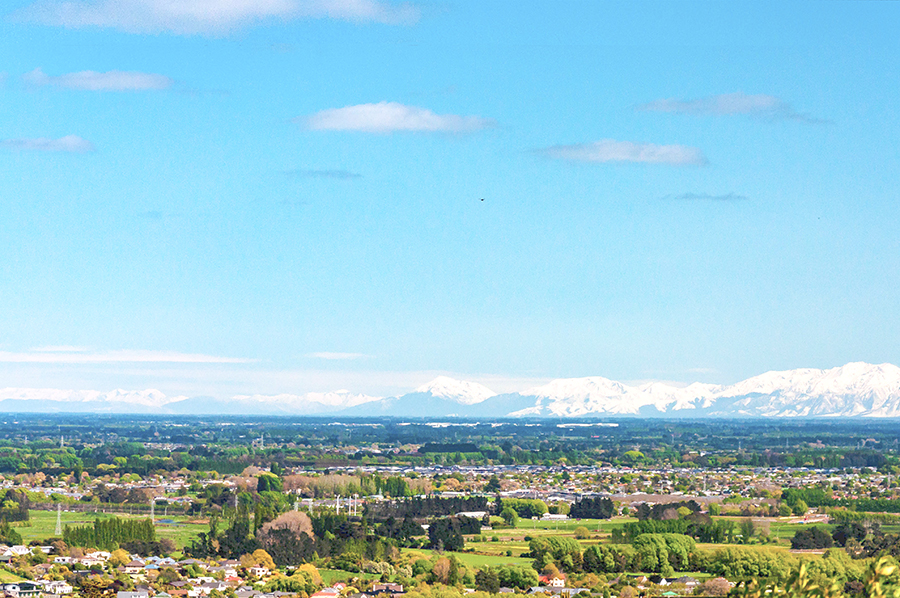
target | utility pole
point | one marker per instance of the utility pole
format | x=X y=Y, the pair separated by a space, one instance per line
x=58 y=531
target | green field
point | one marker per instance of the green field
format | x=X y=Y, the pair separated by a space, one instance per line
x=8 y=576
x=784 y=530
x=477 y=560
x=42 y=525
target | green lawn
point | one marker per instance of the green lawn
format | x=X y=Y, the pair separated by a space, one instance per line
x=42 y=525
x=570 y=525
x=785 y=530
x=8 y=576
x=477 y=560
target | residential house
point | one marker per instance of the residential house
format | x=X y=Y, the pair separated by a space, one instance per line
x=226 y=570
x=135 y=567
x=22 y=589
x=99 y=554
x=91 y=561
x=557 y=591
x=207 y=588
x=389 y=588
x=57 y=588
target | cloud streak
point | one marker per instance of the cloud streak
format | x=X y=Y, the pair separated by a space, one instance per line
x=75 y=355
x=68 y=144
x=187 y=17
x=612 y=151
x=94 y=81
x=758 y=105
x=60 y=349
x=390 y=117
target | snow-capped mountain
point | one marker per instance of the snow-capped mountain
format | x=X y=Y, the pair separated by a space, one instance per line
x=852 y=390
x=50 y=400
x=575 y=397
x=442 y=397
x=461 y=391
x=856 y=389
x=312 y=403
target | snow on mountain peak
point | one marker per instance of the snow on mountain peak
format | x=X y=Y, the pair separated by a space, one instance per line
x=148 y=398
x=461 y=391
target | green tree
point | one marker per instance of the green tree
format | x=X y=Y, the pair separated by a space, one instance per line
x=510 y=516
x=487 y=580
x=800 y=507
x=747 y=530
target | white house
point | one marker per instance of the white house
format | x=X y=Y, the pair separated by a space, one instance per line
x=57 y=588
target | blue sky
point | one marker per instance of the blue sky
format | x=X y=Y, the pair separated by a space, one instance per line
x=285 y=195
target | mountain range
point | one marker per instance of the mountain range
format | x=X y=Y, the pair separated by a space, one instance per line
x=852 y=390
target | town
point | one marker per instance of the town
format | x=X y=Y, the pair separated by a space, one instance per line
x=175 y=508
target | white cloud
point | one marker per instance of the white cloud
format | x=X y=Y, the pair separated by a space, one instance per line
x=388 y=117
x=69 y=143
x=77 y=356
x=329 y=355
x=759 y=105
x=60 y=349
x=205 y=16
x=610 y=150
x=94 y=81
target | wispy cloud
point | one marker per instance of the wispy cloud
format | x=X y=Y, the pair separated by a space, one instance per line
x=206 y=16
x=610 y=150
x=60 y=349
x=389 y=117
x=758 y=105
x=69 y=143
x=94 y=81
x=78 y=356
x=344 y=175
x=334 y=356
x=707 y=197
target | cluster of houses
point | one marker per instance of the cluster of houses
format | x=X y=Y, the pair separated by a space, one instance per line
x=222 y=575
x=36 y=589
x=393 y=590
